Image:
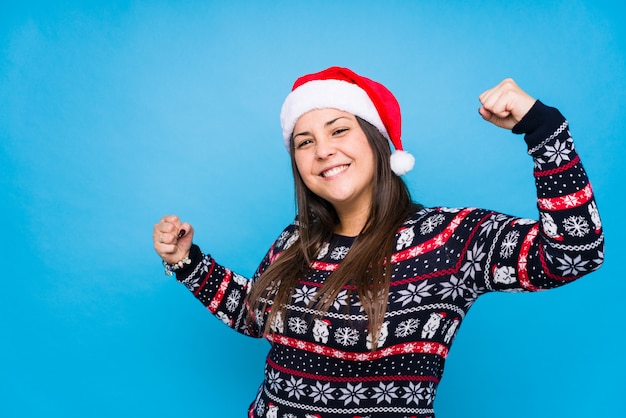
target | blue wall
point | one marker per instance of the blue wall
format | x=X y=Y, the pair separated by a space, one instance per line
x=114 y=113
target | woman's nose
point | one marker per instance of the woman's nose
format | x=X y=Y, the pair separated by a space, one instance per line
x=324 y=149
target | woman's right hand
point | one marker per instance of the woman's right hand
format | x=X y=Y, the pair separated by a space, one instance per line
x=172 y=239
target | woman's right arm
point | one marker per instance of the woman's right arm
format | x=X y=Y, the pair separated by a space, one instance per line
x=218 y=288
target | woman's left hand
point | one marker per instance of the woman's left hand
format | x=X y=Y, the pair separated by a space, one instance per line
x=505 y=104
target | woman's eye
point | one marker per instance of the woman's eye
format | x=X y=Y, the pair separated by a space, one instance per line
x=303 y=143
x=340 y=131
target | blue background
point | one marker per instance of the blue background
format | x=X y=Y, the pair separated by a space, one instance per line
x=115 y=113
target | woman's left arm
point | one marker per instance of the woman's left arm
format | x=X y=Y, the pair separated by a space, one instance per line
x=568 y=240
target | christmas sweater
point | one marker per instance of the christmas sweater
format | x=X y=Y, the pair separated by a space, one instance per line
x=322 y=365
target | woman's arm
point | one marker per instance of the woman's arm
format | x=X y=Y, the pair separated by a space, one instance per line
x=221 y=290
x=567 y=241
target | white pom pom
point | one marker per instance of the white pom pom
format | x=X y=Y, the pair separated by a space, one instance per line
x=402 y=162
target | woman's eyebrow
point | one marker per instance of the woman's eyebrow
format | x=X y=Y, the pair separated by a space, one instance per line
x=330 y=122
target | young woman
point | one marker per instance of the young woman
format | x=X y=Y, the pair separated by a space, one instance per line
x=363 y=294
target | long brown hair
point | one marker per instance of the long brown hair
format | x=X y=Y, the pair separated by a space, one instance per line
x=365 y=267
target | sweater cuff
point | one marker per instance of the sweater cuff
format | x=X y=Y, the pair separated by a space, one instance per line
x=195 y=255
x=539 y=123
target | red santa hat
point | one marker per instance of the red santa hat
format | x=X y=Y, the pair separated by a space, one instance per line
x=343 y=89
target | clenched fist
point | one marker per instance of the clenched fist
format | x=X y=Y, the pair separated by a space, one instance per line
x=172 y=239
x=505 y=104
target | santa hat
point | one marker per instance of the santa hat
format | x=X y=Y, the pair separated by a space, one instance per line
x=343 y=89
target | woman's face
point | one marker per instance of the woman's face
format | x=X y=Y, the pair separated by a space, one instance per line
x=334 y=158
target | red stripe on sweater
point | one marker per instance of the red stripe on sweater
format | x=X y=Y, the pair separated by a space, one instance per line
x=558 y=170
x=221 y=291
x=406 y=348
x=272 y=254
x=522 y=259
x=435 y=242
x=319 y=265
x=569 y=201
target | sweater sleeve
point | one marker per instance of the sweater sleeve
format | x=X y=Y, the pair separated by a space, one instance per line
x=567 y=240
x=224 y=292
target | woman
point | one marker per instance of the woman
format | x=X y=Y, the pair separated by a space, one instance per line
x=363 y=294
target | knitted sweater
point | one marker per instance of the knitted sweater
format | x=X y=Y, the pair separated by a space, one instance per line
x=444 y=259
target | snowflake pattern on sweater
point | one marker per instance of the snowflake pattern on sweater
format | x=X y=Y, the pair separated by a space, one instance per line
x=444 y=259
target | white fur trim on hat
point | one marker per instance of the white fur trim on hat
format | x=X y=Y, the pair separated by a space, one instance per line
x=320 y=94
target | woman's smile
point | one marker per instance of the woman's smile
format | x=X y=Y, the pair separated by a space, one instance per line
x=334 y=171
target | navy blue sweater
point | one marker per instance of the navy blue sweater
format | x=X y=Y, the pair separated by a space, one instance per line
x=444 y=259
